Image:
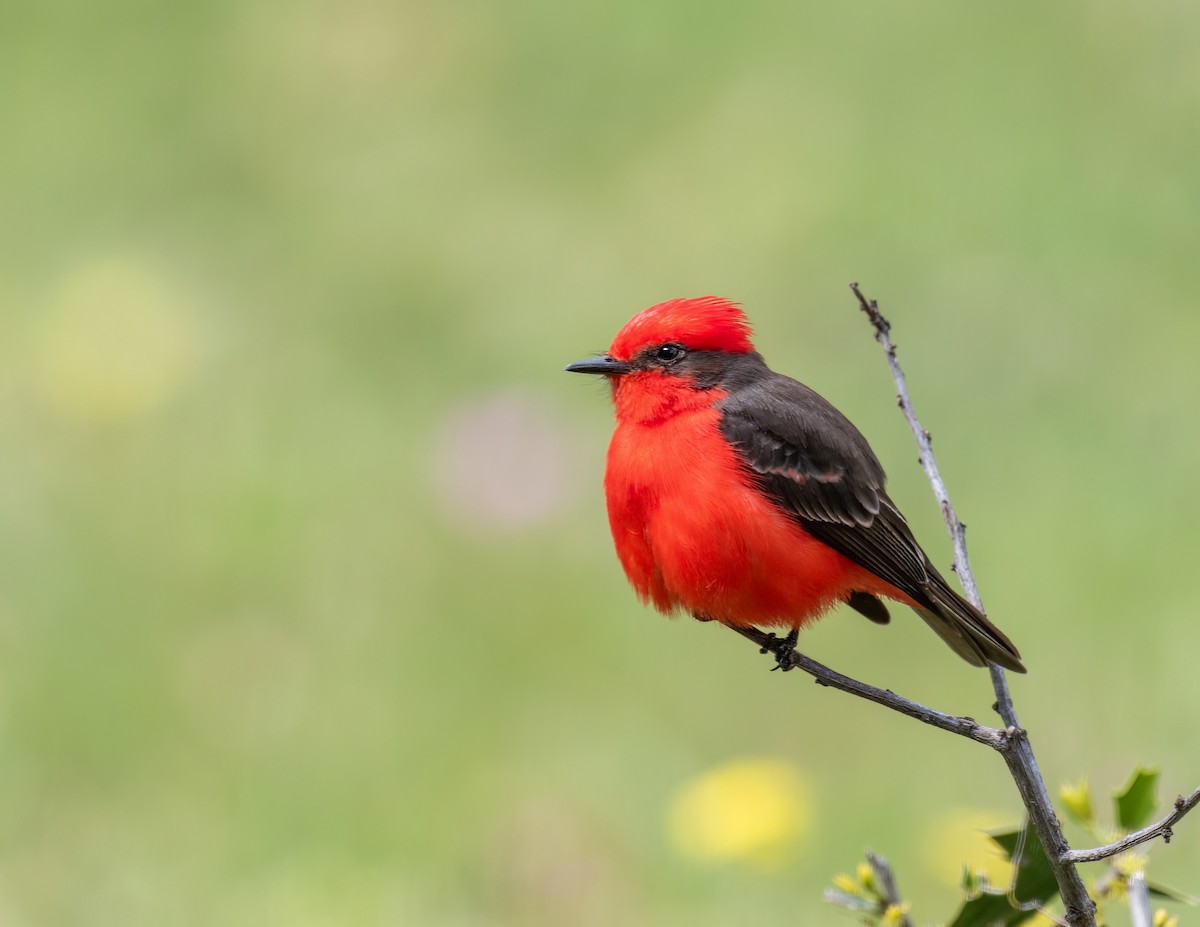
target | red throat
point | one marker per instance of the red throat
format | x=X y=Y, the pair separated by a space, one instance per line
x=651 y=397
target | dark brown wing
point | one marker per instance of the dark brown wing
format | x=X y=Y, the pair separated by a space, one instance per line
x=815 y=464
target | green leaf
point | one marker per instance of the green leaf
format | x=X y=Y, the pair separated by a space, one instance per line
x=1035 y=877
x=1077 y=799
x=1035 y=882
x=989 y=910
x=1137 y=801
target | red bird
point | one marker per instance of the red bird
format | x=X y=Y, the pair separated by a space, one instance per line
x=741 y=496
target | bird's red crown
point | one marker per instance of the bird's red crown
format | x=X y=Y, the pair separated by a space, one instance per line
x=703 y=323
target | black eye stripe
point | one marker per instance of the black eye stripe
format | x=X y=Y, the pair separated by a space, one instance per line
x=668 y=353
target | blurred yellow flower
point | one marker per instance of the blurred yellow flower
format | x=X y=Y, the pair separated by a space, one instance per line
x=1132 y=861
x=960 y=837
x=751 y=810
x=114 y=345
x=1162 y=919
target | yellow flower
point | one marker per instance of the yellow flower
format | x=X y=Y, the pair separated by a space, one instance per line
x=1161 y=919
x=750 y=810
x=1132 y=861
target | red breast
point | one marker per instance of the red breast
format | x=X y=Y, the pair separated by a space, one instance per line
x=691 y=528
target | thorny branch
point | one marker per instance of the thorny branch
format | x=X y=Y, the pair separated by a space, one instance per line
x=1022 y=765
x=1138 y=837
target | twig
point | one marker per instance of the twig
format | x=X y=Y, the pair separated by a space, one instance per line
x=958 y=530
x=1022 y=765
x=1139 y=901
x=887 y=886
x=1146 y=834
x=966 y=727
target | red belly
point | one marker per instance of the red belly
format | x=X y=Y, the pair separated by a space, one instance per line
x=693 y=531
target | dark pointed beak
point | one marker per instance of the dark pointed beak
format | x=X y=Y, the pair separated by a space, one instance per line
x=604 y=364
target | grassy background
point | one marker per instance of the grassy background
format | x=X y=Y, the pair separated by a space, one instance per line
x=308 y=611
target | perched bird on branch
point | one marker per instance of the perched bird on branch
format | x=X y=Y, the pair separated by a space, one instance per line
x=742 y=496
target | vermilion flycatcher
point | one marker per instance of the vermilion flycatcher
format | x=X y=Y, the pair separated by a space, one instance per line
x=742 y=496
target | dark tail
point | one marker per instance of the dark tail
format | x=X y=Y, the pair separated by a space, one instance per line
x=965 y=628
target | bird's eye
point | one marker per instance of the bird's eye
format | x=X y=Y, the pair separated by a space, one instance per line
x=668 y=352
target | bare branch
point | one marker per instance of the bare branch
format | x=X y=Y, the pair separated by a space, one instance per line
x=1022 y=765
x=966 y=727
x=958 y=531
x=887 y=886
x=1146 y=834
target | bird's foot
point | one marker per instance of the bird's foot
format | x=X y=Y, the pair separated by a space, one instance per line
x=783 y=648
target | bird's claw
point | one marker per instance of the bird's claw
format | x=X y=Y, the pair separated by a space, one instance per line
x=782 y=648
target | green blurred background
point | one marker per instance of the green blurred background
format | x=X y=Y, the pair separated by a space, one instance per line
x=308 y=608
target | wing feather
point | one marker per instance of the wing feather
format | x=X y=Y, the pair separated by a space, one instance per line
x=819 y=468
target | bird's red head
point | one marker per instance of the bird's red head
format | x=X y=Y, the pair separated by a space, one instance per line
x=668 y=358
x=704 y=323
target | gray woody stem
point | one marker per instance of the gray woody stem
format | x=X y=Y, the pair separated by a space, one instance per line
x=1080 y=909
x=1146 y=834
x=825 y=676
x=887 y=885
